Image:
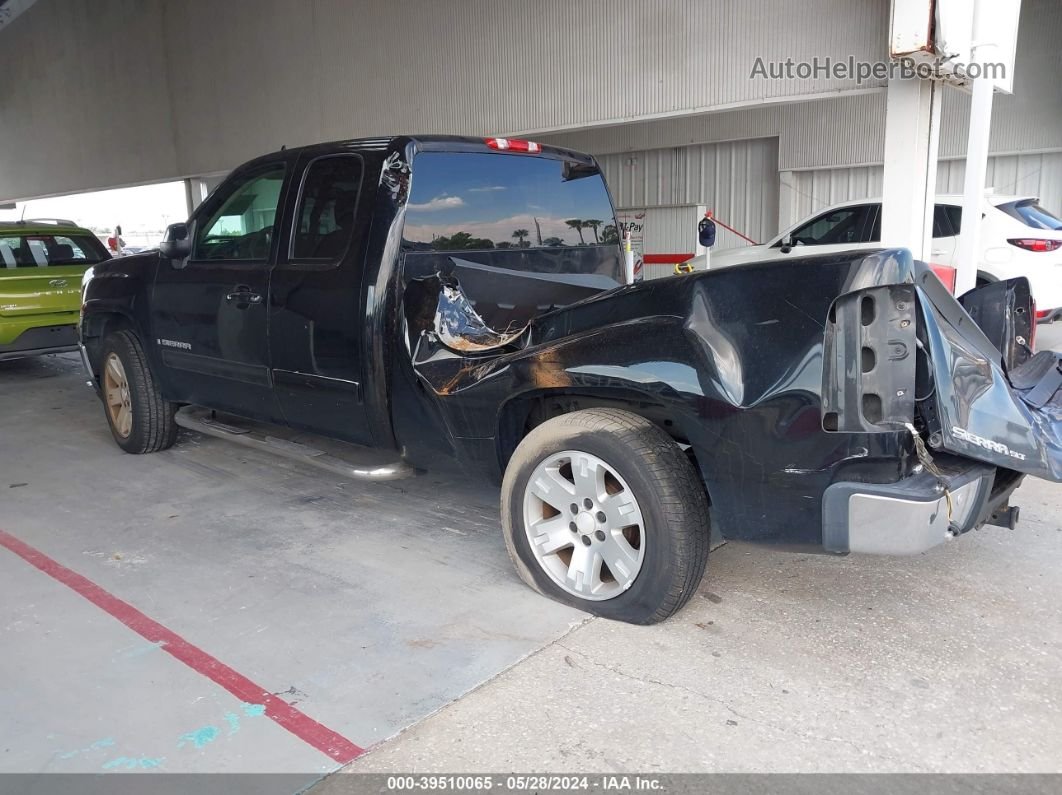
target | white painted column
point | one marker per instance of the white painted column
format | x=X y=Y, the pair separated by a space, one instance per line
x=912 y=130
x=967 y=251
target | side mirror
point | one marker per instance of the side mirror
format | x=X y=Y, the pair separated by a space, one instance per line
x=176 y=244
x=787 y=244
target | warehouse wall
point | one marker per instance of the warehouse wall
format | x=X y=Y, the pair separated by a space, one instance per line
x=242 y=77
x=143 y=91
x=846 y=130
x=831 y=150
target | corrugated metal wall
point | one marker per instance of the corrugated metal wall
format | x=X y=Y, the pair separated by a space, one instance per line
x=850 y=129
x=1033 y=175
x=738 y=180
x=812 y=190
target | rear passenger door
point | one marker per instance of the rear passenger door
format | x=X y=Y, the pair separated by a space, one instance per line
x=316 y=314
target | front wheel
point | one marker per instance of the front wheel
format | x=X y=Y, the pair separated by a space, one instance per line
x=141 y=421
x=603 y=511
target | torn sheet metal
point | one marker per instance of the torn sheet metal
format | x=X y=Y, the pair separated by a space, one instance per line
x=460 y=328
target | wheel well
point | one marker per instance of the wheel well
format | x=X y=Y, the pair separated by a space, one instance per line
x=985 y=278
x=520 y=416
x=94 y=330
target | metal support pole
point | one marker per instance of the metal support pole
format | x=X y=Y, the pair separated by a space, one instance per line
x=973 y=190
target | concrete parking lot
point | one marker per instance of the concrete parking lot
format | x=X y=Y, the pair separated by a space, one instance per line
x=318 y=621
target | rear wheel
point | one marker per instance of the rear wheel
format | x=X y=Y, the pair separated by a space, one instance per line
x=141 y=421
x=602 y=510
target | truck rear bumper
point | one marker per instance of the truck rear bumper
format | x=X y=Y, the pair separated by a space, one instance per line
x=911 y=515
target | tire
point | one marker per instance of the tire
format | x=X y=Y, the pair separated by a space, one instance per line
x=651 y=480
x=147 y=423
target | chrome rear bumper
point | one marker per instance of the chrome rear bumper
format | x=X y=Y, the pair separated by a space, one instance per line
x=909 y=516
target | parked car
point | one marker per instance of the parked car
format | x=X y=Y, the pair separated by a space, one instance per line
x=451 y=299
x=1018 y=238
x=41 y=265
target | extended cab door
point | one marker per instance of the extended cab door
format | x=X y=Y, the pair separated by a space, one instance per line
x=316 y=311
x=209 y=311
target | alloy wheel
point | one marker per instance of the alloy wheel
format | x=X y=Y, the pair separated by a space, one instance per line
x=584 y=525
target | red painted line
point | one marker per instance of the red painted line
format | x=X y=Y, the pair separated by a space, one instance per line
x=298 y=723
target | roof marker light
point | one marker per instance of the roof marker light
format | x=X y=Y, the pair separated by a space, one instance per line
x=513 y=145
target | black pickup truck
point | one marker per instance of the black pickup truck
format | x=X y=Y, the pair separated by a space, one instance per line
x=453 y=298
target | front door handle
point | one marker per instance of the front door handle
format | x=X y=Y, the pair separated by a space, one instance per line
x=243 y=296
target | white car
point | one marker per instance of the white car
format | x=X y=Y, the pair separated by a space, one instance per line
x=1018 y=238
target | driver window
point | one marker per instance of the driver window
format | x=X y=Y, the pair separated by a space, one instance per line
x=242 y=226
x=846 y=225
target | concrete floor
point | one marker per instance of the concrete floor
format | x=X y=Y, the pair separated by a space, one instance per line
x=375 y=607
x=368 y=606
x=946 y=662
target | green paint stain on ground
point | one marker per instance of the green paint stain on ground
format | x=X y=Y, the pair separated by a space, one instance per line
x=106 y=742
x=134 y=763
x=234 y=722
x=253 y=710
x=199 y=738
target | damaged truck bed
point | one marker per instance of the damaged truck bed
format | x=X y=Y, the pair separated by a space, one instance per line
x=846 y=401
x=854 y=383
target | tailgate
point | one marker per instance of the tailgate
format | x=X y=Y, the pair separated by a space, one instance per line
x=909 y=355
x=40 y=290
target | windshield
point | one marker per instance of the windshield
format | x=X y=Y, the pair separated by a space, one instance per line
x=39 y=250
x=1030 y=213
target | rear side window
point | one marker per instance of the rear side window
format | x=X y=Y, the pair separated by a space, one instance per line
x=1030 y=213
x=472 y=201
x=42 y=250
x=327 y=209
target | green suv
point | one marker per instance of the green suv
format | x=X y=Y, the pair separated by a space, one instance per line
x=41 y=265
